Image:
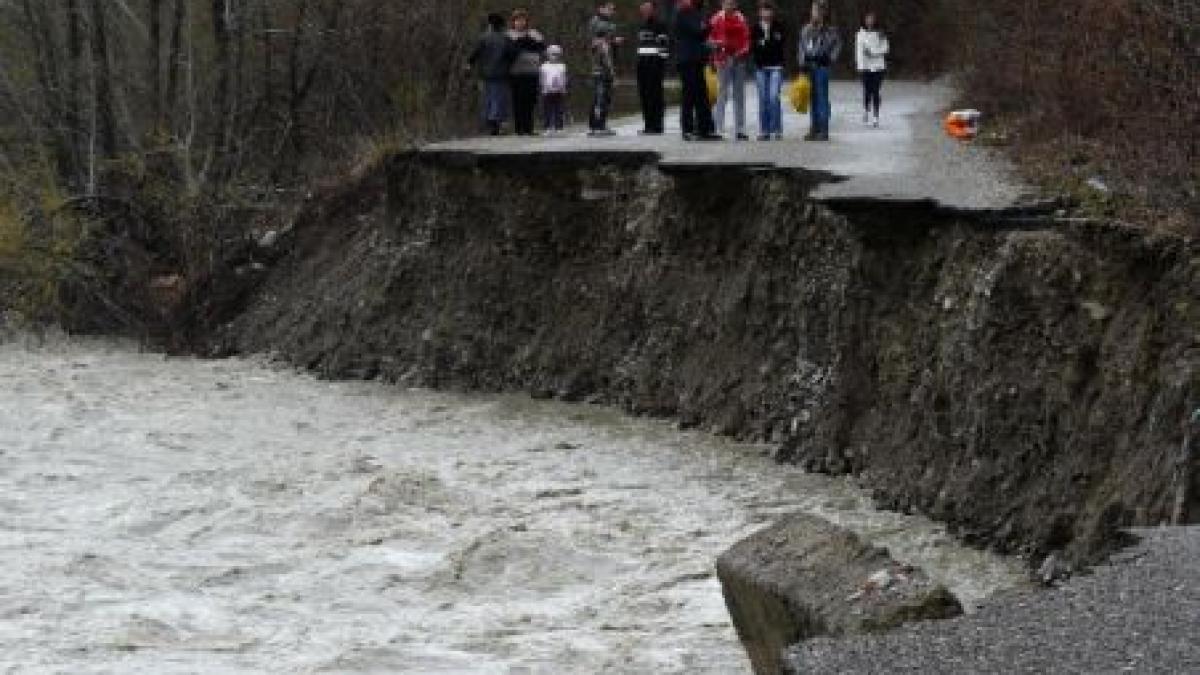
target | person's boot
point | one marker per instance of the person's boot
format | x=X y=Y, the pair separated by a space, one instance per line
x=812 y=135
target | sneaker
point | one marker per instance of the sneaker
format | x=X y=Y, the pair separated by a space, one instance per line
x=742 y=137
x=710 y=137
x=875 y=122
x=823 y=136
x=812 y=136
x=779 y=137
x=764 y=137
x=690 y=137
x=601 y=133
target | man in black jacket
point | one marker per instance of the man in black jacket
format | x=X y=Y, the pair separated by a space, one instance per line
x=491 y=60
x=767 y=38
x=691 y=52
x=653 y=51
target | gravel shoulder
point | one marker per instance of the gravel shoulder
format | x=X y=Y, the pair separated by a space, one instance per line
x=1139 y=613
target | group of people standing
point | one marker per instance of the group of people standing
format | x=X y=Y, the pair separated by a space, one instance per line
x=517 y=66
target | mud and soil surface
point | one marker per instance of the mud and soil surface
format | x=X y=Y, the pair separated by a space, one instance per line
x=1028 y=383
x=165 y=515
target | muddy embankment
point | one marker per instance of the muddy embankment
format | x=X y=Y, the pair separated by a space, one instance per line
x=1029 y=383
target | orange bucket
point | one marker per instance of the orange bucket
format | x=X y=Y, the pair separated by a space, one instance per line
x=963 y=124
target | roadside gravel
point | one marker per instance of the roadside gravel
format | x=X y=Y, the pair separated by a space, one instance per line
x=1140 y=613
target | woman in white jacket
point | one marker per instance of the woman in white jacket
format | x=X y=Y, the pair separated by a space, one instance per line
x=870 y=52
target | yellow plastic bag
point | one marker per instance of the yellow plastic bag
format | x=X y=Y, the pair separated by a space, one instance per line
x=712 y=83
x=800 y=94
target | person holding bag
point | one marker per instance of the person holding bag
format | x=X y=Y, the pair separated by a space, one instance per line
x=768 y=38
x=731 y=37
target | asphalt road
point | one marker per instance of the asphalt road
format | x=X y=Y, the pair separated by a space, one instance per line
x=908 y=158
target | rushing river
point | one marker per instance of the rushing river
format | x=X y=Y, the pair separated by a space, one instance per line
x=166 y=515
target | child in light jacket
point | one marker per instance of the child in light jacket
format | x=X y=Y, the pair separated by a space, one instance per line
x=554 y=91
x=870 y=55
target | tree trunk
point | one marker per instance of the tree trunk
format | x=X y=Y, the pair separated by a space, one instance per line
x=105 y=121
x=174 y=66
x=154 y=64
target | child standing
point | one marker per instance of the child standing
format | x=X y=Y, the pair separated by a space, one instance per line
x=554 y=91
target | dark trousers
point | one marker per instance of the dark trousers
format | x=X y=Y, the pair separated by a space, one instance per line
x=650 y=73
x=695 y=114
x=554 y=111
x=524 y=101
x=602 y=90
x=872 y=90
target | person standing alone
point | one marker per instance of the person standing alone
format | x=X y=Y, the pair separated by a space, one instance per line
x=491 y=61
x=652 y=52
x=691 y=52
x=731 y=36
x=603 y=32
x=528 y=47
x=768 y=38
x=820 y=46
x=870 y=55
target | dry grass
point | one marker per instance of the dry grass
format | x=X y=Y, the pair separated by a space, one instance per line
x=1095 y=91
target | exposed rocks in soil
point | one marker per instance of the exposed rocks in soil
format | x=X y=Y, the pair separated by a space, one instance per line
x=804 y=577
x=1027 y=383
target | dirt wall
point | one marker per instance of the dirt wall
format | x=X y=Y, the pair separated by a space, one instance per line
x=1029 y=384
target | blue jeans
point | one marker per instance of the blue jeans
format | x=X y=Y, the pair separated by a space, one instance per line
x=731 y=79
x=495 y=101
x=770 y=107
x=821 y=109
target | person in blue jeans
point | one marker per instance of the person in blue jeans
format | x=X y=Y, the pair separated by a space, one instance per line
x=767 y=40
x=820 y=46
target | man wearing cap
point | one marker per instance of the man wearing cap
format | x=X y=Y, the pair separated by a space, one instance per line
x=653 y=52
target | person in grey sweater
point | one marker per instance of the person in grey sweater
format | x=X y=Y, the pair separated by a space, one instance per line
x=491 y=60
x=820 y=46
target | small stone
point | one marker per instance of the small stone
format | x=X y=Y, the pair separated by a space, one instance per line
x=269 y=239
x=1096 y=311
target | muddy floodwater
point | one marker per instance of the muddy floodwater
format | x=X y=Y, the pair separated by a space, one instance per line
x=165 y=515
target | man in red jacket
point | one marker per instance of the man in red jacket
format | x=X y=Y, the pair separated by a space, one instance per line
x=731 y=38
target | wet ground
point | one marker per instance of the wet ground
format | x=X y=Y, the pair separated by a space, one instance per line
x=180 y=516
x=908 y=158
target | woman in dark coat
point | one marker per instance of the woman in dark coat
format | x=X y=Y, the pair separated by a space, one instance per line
x=528 y=50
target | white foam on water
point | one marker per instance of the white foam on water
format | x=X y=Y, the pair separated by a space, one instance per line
x=179 y=516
